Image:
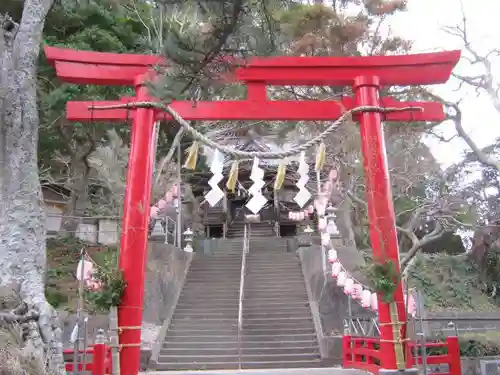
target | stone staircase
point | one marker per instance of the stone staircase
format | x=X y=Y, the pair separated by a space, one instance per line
x=261 y=229
x=278 y=330
x=203 y=332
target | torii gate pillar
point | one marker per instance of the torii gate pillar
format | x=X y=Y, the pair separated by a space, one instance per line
x=366 y=75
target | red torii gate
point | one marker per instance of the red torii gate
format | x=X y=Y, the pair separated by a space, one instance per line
x=366 y=76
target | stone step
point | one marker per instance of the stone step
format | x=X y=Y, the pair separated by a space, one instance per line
x=200 y=337
x=195 y=324
x=205 y=299
x=212 y=310
x=233 y=349
x=296 y=295
x=245 y=365
x=249 y=332
x=273 y=314
x=313 y=363
x=285 y=337
x=207 y=303
x=276 y=299
x=195 y=314
x=205 y=331
x=248 y=344
x=209 y=292
x=190 y=366
x=222 y=283
x=278 y=323
x=224 y=358
x=194 y=345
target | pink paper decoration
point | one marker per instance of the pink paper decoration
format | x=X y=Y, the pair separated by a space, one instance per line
x=374 y=302
x=357 y=289
x=412 y=305
x=320 y=205
x=348 y=286
x=366 y=298
x=322 y=224
x=328 y=188
x=336 y=268
x=332 y=176
x=154 y=212
x=88 y=275
x=332 y=256
x=289 y=216
x=341 y=278
x=168 y=197
x=174 y=190
x=88 y=270
x=310 y=209
x=162 y=203
x=325 y=239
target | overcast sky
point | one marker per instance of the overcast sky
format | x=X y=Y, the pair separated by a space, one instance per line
x=423 y=24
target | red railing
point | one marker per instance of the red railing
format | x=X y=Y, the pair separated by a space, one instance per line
x=451 y=358
x=100 y=363
x=363 y=353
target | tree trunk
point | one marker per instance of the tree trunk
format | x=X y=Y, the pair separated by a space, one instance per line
x=22 y=219
x=78 y=200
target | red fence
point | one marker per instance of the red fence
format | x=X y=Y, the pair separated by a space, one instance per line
x=101 y=360
x=363 y=353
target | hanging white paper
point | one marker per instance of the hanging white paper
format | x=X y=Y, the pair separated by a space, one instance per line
x=258 y=200
x=303 y=195
x=215 y=194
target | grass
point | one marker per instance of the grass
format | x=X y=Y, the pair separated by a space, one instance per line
x=63 y=255
x=449 y=283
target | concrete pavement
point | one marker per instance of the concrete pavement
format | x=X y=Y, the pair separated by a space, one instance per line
x=298 y=371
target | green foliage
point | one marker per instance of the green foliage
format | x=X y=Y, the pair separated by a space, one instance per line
x=449 y=283
x=384 y=278
x=491 y=271
x=55 y=297
x=110 y=277
x=469 y=347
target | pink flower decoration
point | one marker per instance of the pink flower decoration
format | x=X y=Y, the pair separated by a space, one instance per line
x=374 y=302
x=332 y=256
x=174 y=190
x=168 y=197
x=341 y=278
x=332 y=176
x=366 y=297
x=357 y=290
x=348 y=286
x=154 y=212
x=322 y=224
x=336 y=268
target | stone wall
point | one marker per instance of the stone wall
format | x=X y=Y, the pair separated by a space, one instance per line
x=464 y=321
x=329 y=304
x=472 y=366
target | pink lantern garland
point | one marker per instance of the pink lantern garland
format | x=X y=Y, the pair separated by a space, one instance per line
x=357 y=291
x=332 y=256
x=164 y=202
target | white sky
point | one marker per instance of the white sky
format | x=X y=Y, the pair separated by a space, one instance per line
x=423 y=24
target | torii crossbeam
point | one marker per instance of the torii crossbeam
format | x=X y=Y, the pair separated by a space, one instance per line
x=366 y=76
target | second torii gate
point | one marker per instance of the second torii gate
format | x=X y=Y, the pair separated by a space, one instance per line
x=366 y=76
